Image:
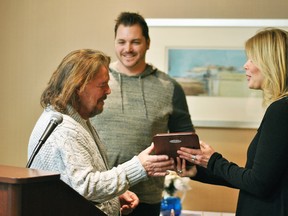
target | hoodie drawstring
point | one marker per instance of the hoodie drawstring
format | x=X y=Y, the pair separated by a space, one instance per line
x=143 y=96
x=121 y=92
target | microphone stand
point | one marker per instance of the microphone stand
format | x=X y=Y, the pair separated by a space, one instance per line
x=35 y=151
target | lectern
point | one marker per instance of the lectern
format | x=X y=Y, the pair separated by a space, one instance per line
x=31 y=192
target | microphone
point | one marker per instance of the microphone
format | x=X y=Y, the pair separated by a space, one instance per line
x=56 y=119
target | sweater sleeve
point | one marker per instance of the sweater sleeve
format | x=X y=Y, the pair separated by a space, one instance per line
x=83 y=168
x=206 y=176
x=267 y=158
x=180 y=120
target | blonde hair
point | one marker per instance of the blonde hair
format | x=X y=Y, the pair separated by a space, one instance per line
x=72 y=75
x=268 y=51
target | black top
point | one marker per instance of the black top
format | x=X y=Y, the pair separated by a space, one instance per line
x=263 y=183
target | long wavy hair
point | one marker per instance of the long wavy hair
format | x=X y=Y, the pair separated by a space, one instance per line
x=72 y=75
x=268 y=51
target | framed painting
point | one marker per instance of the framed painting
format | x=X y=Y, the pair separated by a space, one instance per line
x=209 y=72
x=206 y=56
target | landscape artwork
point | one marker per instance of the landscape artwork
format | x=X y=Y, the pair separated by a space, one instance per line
x=210 y=72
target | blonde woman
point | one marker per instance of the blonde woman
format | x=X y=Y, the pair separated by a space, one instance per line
x=263 y=182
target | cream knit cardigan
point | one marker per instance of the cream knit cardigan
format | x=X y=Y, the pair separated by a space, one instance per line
x=75 y=151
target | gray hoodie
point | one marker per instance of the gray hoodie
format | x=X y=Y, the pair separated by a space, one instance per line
x=138 y=108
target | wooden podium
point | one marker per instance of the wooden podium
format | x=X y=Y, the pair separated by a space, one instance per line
x=31 y=192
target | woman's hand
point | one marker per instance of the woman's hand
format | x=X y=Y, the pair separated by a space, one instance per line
x=155 y=165
x=183 y=170
x=197 y=156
